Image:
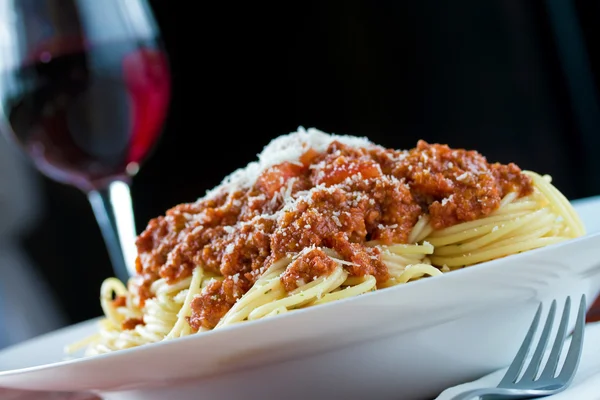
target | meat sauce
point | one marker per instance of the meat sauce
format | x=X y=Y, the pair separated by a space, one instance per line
x=339 y=199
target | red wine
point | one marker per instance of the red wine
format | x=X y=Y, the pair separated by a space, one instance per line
x=88 y=114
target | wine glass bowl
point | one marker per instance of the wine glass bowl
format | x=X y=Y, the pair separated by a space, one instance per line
x=84 y=92
x=86 y=105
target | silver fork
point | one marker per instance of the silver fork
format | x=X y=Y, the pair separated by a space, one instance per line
x=548 y=383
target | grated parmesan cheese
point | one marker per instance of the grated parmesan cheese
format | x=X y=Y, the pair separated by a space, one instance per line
x=336 y=220
x=447 y=199
x=281 y=149
x=463 y=177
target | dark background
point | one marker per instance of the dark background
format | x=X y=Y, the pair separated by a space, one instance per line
x=516 y=80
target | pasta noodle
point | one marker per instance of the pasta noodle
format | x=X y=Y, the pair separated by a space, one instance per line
x=519 y=222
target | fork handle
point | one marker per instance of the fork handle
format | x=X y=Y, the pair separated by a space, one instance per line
x=503 y=393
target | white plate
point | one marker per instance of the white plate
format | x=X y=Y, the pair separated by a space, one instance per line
x=409 y=341
x=589 y=210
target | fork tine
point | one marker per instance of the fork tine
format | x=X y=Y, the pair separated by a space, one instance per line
x=517 y=363
x=573 y=356
x=536 y=359
x=552 y=362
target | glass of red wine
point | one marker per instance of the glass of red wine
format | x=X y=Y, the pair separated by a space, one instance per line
x=84 y=91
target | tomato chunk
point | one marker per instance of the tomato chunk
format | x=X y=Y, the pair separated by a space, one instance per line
x=274 y=178
x=344 y=168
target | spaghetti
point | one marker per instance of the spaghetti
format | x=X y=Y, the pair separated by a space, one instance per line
x=320 y=218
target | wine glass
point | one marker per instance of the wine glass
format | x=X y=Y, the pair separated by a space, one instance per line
x=84 y=91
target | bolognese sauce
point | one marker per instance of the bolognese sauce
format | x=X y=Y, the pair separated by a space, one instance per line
x=340 y=198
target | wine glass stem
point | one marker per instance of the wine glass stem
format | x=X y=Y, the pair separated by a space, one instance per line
x=114 y=213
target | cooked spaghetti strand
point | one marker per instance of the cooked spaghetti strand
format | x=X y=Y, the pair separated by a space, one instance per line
x=321 y=218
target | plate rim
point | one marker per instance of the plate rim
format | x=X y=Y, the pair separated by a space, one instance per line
x=83 y=361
